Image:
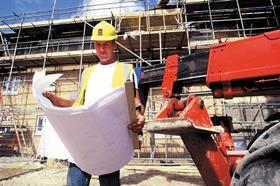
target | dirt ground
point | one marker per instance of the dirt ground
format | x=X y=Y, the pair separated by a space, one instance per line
x=14 y=172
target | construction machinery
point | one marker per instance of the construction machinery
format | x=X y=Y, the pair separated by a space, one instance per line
x=248 y=67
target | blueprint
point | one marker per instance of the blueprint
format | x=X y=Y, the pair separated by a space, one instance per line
x=95 y=135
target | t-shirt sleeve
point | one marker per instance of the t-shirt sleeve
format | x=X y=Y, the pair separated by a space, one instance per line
x=133 y=77
x=84 y=74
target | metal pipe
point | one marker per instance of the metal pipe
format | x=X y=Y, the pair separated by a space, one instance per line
x=241 y=20
x=49 y=34
x=273 y=9
x=187 y=28
x=85 y=21
x=211 y=22
x=82 y=54
x=160 y=47
x=140 y=39
x=9 y=80
x=237 y=29
x=200 y=93
x=140 y=48
x=4 y=45
x=15 y=50
x=133 y=53
x=83 y=46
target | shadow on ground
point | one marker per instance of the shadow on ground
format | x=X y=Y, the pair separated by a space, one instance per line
x=137 y=178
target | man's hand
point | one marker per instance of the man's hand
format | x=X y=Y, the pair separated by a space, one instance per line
x=50 y=96
x=138 y=125
x=58 y=101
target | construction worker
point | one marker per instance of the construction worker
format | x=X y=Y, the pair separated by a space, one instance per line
x=96 y=81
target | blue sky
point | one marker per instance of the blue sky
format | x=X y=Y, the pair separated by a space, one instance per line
x=19 y=6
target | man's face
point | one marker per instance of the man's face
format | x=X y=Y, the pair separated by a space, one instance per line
x=105 y=51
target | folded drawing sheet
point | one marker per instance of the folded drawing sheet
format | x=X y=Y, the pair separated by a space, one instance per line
x=51 y=145
x=96 y=135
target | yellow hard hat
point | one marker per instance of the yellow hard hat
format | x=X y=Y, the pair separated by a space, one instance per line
x=104 y=31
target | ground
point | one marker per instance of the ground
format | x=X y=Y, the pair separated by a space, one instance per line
x=21 y=171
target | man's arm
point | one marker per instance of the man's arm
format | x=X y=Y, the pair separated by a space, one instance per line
x=140 y=120
x=62 y=102
x=58 y=101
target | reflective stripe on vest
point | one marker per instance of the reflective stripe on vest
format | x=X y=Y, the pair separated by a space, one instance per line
x=121 y=74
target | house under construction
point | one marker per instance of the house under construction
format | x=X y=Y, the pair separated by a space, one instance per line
x=58 y=40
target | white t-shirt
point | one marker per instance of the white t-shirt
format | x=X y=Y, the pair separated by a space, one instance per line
x=100 y=81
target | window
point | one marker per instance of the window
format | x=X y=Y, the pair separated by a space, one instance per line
x=6 y=117
x=12 y=87
x=40 y=123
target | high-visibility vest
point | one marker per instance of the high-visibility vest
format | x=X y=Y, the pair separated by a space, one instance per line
x=121 y=74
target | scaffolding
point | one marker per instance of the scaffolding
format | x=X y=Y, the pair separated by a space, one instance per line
x=59 y=39
x=151 y=34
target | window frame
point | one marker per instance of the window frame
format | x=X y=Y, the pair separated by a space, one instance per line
x=40 y=126
x=13 y=88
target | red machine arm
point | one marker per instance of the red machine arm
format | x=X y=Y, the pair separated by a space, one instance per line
x=241 y=68
x=246 y=67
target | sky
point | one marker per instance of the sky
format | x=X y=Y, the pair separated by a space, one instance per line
x=19 y=6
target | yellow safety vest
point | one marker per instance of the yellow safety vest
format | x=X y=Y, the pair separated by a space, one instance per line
x=121 y=74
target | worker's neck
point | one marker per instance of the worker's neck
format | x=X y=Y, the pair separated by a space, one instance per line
x=108 y=62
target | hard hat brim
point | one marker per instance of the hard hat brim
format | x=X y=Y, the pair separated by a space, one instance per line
x=102 y=38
